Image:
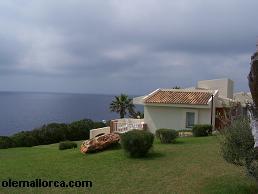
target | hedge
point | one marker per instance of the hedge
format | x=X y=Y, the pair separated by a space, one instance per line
x=67 y=145
x=51 y=133
x=166 y=135
x=202 y=130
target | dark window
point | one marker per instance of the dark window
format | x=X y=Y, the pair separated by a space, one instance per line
x=190 y=117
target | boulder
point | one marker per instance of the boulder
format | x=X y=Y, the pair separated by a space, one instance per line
x=99 y=143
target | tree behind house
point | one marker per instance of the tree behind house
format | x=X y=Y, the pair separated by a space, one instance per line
x=122 y=104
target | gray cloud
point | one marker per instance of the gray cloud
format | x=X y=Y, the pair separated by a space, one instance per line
x=115 y=46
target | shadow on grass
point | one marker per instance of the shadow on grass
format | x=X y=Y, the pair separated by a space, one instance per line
x=115 y=147
x=230 y=185
x=150 y=156
x=153 y=155
x=178 y=142
x=111 y=147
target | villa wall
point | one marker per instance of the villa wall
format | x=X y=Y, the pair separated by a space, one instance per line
x=225 y=86
x=173 y=117
x=205 y=116
x=95 y=132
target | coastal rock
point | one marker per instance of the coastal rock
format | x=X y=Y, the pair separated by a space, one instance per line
x=99 y=143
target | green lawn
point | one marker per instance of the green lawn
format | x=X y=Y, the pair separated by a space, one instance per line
x=192 y=165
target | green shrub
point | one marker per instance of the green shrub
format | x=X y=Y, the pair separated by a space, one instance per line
x=67 y=145
x=237 y=142
x=6 y=142
x=202 y=130
x=100 y=124
x=137 y=142
x=24 y=139
x=79 y=130
x=166 y=135
x=52 y=133
x=237 y=146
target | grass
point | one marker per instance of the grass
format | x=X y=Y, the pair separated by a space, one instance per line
x=192 y=165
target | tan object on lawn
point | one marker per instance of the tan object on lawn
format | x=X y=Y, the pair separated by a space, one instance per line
x=99 y=143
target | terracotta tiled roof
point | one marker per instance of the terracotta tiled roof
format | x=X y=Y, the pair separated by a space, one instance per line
x=179 y=97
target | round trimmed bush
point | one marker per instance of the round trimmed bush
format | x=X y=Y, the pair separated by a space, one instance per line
x=67 y=145
x=137 y=143
x=202 y=130
x=166 y=135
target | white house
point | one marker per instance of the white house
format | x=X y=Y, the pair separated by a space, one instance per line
x=183 y=108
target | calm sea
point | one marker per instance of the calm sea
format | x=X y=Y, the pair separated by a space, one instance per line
x=25 y=111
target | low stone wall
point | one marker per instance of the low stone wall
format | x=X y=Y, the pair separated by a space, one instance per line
x=185 y=134
x=127 y=124
x=95 y=132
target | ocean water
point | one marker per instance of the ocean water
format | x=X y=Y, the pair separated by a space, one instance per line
x=25 y=110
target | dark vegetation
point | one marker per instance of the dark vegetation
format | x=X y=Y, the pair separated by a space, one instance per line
x=51 y=133
x=67 y=145
x=6 y=142
x=202 y=130
x=166 y=135
x=237 y=146
x=137 y=143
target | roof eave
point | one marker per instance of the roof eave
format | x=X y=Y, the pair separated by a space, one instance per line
x=178 y=105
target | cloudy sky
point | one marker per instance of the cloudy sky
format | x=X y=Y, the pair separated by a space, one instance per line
x=132 y=46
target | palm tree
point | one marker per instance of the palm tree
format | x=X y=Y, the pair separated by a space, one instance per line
x=122 y=105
